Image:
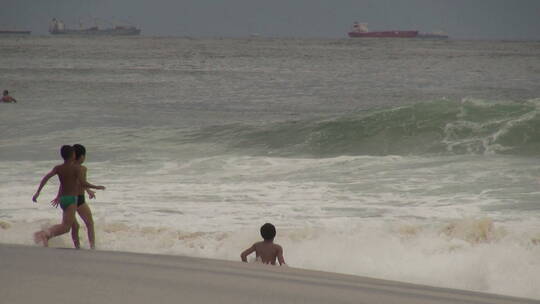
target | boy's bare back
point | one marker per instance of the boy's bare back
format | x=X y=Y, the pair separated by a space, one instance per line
x=83 y=170
x=68 y=174
x=268 y=252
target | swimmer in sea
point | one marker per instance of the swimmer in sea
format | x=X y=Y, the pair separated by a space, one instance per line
x=266 y=251
x=7 y=98
x=71 y=179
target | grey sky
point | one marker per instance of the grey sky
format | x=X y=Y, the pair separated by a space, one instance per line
x=475 y=19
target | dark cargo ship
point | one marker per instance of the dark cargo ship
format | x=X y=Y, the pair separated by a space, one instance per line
x=57 y=27
x=14 y=32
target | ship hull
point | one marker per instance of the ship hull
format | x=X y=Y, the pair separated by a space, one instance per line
x=384 y=34
x=14 y=32
x=98 y=32
x=432 y=36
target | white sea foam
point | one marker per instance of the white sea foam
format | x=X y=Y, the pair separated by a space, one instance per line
x=473 y=254
x=413 y=219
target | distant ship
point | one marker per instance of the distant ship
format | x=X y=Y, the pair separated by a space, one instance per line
x=433 y=35
x=360 y=30
x=14 y=32
x=57 y=27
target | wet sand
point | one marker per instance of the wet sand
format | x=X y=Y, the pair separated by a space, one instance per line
x=53 y=275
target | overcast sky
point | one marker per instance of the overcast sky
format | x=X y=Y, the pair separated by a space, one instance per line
x=469 y=19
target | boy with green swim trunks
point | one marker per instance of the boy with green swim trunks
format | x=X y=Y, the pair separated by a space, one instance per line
x=71 y=179
x=82 y=207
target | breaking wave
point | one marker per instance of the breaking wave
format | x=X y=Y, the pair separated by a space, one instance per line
x=438 y=127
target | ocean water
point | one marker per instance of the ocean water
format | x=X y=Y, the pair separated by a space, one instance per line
x=410 y=160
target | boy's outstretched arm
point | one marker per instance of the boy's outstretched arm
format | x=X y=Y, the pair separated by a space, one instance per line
x=91 y=194
x=86 y=184
x=280 y=258
x=247 y=252
x=44 y=181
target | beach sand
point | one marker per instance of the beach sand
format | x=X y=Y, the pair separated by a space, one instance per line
x=55 y=275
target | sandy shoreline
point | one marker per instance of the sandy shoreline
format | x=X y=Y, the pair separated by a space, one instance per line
x=48 y=275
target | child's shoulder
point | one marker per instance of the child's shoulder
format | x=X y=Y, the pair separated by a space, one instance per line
x=70 y=167
x=59 y=166
x=277 y=246
x=78 y=166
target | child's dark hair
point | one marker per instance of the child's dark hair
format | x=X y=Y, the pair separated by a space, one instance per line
x=6 y=92
x=268 y=232
x=66 y=152
x=80 y=150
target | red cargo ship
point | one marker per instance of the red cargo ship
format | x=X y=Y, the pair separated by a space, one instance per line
x=360 y=30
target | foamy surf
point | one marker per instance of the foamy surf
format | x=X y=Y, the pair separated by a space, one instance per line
x=473 y=253
x=463 y=221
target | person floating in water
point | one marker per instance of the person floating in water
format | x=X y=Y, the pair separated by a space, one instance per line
x=71 y=179
x=7 y=98
x=266 y=251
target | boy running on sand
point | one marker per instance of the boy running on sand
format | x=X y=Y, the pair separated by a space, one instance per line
x=82 y=208
x=71 y=179
x=266 y=251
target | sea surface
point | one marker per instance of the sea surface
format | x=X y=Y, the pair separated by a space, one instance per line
x=402 y=159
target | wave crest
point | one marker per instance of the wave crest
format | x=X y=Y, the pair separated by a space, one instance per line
x=437 y=127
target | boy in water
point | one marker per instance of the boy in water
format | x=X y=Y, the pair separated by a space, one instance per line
x=7 y=98
x=71 y=179
x=82 y=208
x=266 y=251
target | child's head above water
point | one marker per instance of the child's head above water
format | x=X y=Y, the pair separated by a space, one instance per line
x=66 y=152
x=268 y=232
x=80 y=151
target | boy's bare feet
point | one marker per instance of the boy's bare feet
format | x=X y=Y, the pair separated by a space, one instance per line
x=41 y=237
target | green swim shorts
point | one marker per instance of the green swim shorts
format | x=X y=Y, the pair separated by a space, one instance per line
x=67 y=200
